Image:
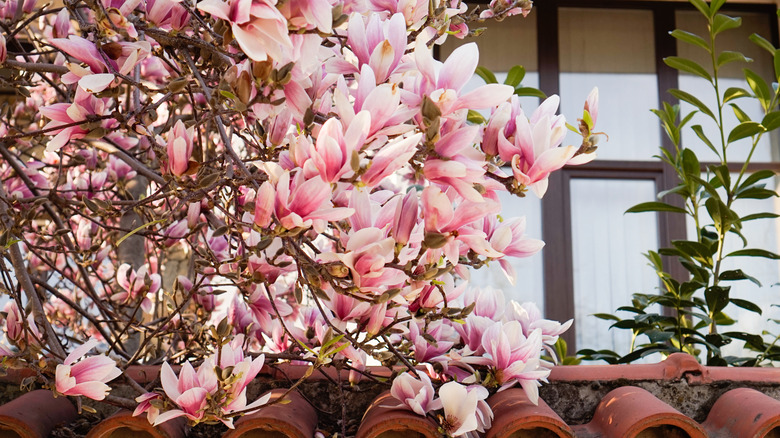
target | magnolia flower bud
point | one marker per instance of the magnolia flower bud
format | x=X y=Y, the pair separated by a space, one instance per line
x=3 y=50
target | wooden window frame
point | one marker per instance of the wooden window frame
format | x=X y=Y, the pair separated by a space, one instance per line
x=556 y=205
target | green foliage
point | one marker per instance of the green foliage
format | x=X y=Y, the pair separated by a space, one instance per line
x=692 y=313
x=514 y=78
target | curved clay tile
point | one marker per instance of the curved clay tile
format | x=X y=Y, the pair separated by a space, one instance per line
x=380 y=419
x=515 y=415
x=124 y=424
x=34 y=415
x=296 y=419
x=744 y=413
x=632 y=412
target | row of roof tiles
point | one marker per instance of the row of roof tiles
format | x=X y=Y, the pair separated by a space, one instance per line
x=625 y=412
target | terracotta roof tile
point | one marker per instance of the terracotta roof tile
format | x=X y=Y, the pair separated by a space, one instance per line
x=514 y=412
x=630 y=412
x=624 y=412
x=123 y=421
x=744 y=413
x=296 y=419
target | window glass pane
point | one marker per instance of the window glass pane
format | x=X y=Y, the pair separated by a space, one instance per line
x=530 y=282
x=503 y=45
x=614 y=50
x=730 y=75
x=607 y=252
x=763 y=234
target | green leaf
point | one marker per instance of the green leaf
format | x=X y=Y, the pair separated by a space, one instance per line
x=655 y=206
x=486 y=75
x=745 y=129
x=626 y=324
x=688 y=66
x=703 y=137
x=751 y=339
x=720 y=213
x=122 y=239
x=717 y=298
x=642 y=352
x=690 y=163
x=531 y=92
x=741 y=115
x=702 y=7
x=756 y=177
x=723 y=175
x=475 y=117
x=762 y=42
x=227 y=94
x=715 y=6
x=737 y=274
x=728 y=56
x=735 y=93
x=515 y=76
x=755 y=216
x=776 y=64
x=759 y=87
x=606 y=316
x=754 y=252
x=723 y=22
x=771 y=121
x=693 y=100
x=658 y=336
x=747 y=305
x=690 y=38
x=756 y=192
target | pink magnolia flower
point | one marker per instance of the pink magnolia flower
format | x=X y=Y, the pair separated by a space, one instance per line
x=460 y=166
x=180 y=148
x=135 y=284
x=532 y=145
x=301 y=203
x=84 y=105
x=463 y=412
x=121 y=57
x=505 y=8
x=3 y=49
x=167 y=14
x=390 y=158
x=509 y=238
x=414 y=394
x=333 y=150
x=530 y=318
x=87 y=377
x=451 y=223
x=424 y=350
x=413 y=10
x=145 y=405
x=189 y=391
x=406 y=217
x=443 y=85
x=309 y=14
x=61 y=27
x=367 y=254
x=592 y=105
x=244 y=370
x=258 y=26
x=514 y=357
x=14 y=323
x=378 y=43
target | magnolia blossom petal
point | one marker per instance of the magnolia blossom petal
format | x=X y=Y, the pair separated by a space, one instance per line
x=96 y=83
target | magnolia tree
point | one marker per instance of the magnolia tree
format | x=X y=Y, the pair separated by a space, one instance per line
x=213 y=186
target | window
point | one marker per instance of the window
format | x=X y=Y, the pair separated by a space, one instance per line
x=592 y=261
